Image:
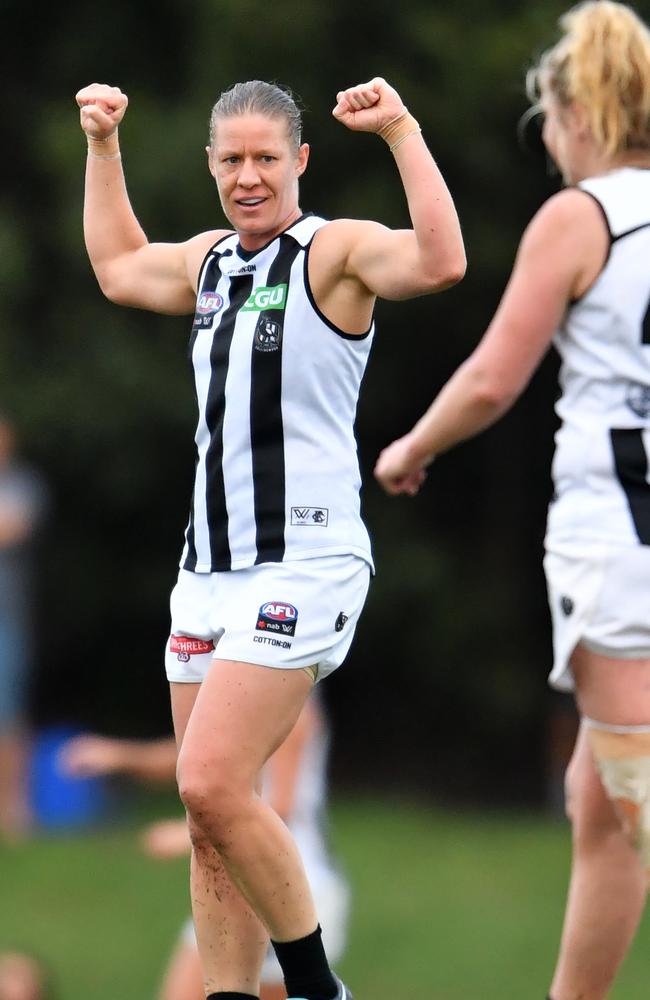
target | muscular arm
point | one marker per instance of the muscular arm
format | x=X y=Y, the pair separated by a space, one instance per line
x=130 y=270
x=428 y=257
x=561 y=253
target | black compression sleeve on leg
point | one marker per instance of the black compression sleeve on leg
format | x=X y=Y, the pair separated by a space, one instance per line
x=231 y=996
x=305 y=967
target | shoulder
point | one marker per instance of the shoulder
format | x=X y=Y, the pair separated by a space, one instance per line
x=569 y=223
x=197 y=247
x=347 y=231
x=572 y=208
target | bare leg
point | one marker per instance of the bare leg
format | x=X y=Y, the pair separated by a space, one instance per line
x=183 y=978
x=231 y=940
x=607 y=891
x=242 y=713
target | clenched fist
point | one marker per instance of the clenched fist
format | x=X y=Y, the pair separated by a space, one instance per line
x=368 y=107
x=102 y=109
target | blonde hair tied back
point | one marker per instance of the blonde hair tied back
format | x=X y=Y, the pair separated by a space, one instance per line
x=602 y=62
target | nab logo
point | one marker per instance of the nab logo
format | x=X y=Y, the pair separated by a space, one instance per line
x=266 y=297
x=276 y=616
x=208 y=305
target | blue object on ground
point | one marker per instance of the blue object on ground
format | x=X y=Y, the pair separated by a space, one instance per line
x=59 y=800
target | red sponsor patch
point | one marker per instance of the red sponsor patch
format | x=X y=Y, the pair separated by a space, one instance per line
x=189 y=645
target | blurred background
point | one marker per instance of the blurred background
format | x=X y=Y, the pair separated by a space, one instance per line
x=448 y=748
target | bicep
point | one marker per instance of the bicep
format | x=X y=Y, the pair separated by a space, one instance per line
x=157 y=276
x=387 y=262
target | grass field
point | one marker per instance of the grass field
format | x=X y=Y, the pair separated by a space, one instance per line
x=446 y=906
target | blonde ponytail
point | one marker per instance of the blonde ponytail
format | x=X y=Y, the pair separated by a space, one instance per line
x=602 y=62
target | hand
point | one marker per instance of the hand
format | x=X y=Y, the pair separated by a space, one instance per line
x=88 y=756
x=102 y=109
x=368 y=107
x=398 y=470
x=167 y=838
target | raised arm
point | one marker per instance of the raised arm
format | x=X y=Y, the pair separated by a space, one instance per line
x=428 y=257
x=561 y=253
x=130 y=270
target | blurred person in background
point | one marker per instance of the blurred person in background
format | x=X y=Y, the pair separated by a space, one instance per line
x=22 y=503
x=23 y=977
x=277 y=560
x=294 y=784
x=582 y=279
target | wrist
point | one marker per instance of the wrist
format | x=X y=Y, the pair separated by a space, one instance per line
x=104 y=149
x=398 y=129
x=419 y=453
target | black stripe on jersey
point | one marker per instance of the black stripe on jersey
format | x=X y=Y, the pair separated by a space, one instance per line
x=631 y=463
x=241 y=287
x=267 y=432
x=208 y=277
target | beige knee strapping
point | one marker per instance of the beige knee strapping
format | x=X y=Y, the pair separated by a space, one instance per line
x=622 y=755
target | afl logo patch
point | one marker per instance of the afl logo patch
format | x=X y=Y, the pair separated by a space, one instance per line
x=277 y=616
x=209 y=302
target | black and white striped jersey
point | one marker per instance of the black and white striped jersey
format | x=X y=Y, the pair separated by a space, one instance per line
x=600 y=468
x=277 y=384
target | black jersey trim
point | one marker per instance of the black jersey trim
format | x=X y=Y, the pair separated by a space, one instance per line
x=249 y=254
x=213 y=250
x=312 y=301
x=631 y=464
x=266 y=421
x=630 y=232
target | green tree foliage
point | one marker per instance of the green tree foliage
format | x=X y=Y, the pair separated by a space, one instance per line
x=450 y=660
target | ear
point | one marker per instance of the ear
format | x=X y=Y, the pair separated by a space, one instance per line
x=302 y=159
x=211 y=167
x=580 y=119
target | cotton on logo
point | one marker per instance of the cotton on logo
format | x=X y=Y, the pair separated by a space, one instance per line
x=277 y=616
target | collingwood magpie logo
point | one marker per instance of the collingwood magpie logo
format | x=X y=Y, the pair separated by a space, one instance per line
x=268 y=334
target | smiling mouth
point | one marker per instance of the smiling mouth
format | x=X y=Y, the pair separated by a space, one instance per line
x=250 y=202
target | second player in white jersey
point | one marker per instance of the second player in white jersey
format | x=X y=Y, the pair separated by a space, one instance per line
x=600 y=468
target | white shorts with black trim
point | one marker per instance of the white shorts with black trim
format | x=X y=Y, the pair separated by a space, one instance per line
x=599 y=597
x=287 y=614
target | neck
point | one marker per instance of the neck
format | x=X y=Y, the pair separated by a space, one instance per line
x=255 y=241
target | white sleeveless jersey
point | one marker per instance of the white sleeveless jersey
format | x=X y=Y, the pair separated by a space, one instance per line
x=277 y=384
x=600 y=468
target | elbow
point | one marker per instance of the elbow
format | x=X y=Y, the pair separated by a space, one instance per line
x=111 y=289
x=447 y=273
x=492 y=393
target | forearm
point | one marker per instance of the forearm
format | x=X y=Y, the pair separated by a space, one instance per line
x=111 y=228
x=465 y=406
x=441 y=253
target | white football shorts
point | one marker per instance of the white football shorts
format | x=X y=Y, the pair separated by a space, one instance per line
x=601 y=599
x=287 y=614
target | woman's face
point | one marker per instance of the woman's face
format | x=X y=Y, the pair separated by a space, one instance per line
x=256 y=169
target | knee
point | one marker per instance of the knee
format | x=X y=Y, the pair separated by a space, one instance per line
x=210 y=794
x=593 y=820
